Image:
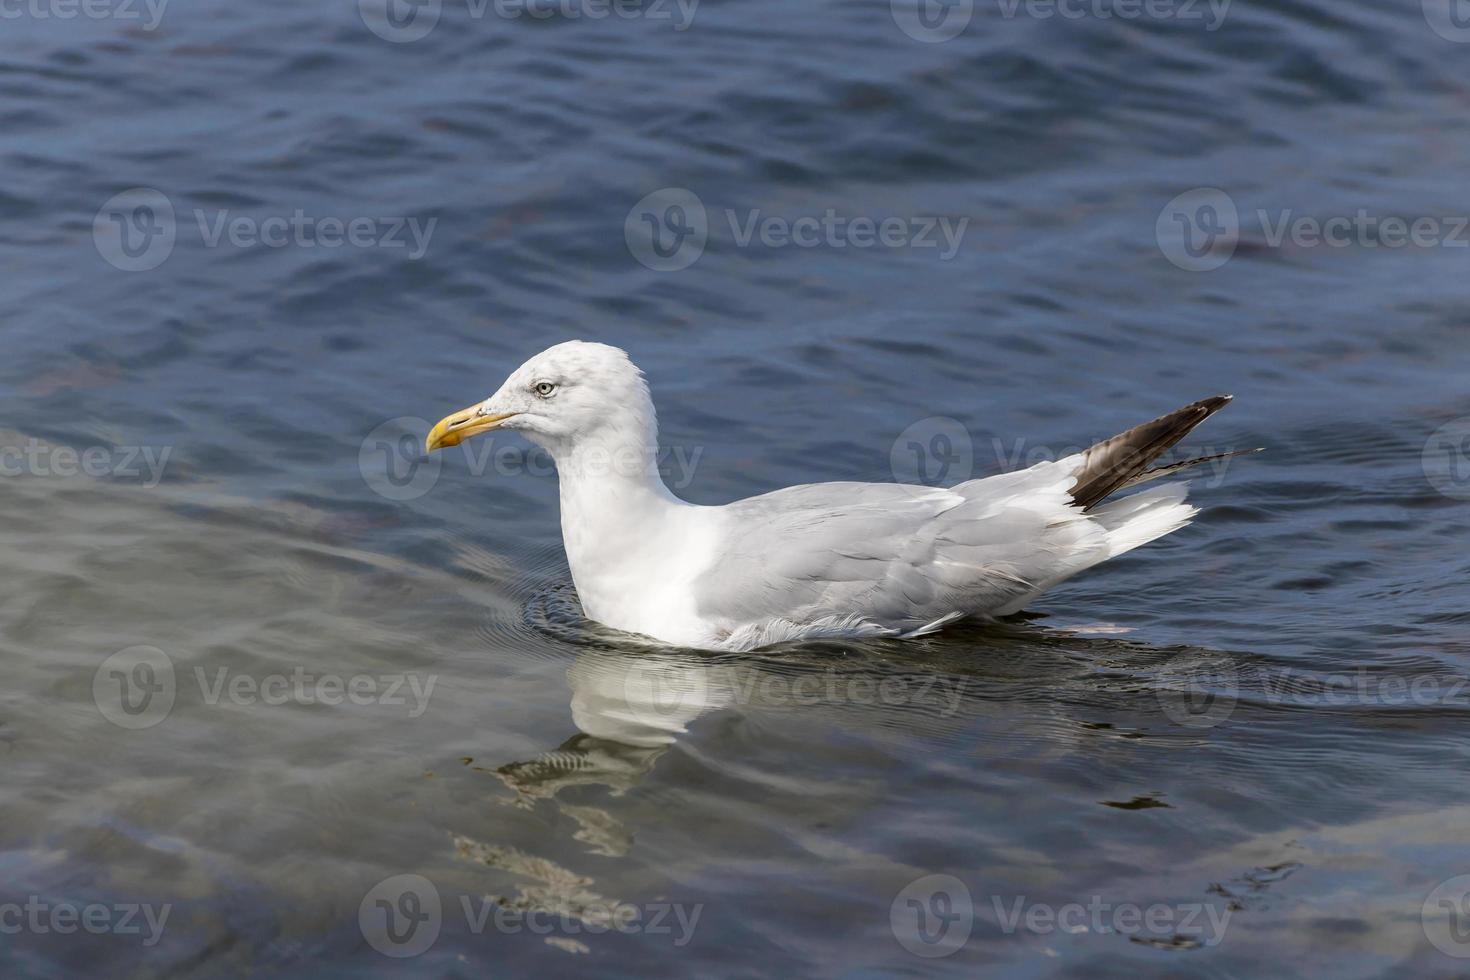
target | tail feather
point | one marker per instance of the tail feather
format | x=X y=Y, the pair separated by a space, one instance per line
x=1118 y=462
x=1140 y=518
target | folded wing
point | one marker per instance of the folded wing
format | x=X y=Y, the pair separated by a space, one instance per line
x=896 y=558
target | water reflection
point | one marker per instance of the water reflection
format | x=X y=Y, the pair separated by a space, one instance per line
x=1024 y=698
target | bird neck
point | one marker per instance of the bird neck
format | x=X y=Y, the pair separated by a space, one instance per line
x=611 y=469
x=614 y=504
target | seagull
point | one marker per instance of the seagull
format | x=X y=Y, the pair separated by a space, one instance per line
x=820 y=560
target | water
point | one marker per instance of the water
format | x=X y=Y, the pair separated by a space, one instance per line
x=1251 y=733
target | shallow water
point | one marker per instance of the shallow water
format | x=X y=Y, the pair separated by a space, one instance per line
x=357 y=665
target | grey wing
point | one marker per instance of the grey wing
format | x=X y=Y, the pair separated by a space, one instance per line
x=898 y=556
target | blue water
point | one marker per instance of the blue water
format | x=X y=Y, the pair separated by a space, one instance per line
x=1252 y=733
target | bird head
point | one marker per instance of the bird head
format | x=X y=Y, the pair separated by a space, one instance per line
x=564 y=396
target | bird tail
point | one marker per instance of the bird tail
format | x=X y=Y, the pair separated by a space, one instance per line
x=1140 y=518
x=1123 y=460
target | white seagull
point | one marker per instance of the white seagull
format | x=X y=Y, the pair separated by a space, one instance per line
x=822 y=559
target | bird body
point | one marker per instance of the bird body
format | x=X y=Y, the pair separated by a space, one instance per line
x=817 y=560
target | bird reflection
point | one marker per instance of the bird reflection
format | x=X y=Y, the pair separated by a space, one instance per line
x=629 y=708
x=1015 y=691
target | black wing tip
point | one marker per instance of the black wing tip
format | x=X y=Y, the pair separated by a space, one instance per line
x=1214 y=403
x=1116 y=463
x=1205 y=407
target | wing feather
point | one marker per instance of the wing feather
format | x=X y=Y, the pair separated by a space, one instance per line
x=897 y=556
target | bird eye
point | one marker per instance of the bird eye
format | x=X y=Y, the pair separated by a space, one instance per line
x=544 y=388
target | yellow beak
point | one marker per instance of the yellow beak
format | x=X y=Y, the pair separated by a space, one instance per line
x=454 y=429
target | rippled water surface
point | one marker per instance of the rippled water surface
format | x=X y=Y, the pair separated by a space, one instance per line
x=357 y=665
